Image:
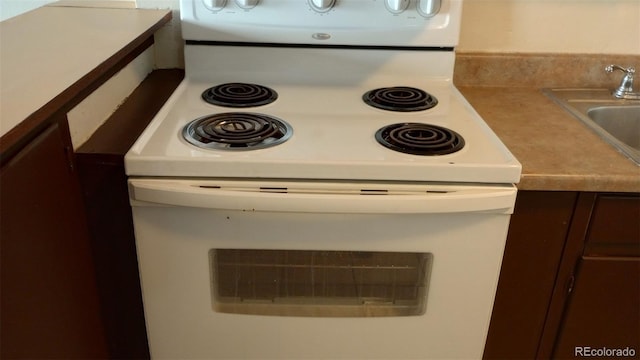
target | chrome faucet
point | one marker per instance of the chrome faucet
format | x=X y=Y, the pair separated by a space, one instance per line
x=625 y=90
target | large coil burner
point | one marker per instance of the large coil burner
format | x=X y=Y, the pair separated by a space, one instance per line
x=420 y=139
x=400 y=98
x=237 y=131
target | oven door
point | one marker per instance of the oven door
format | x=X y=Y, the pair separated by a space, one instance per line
x=272 y=269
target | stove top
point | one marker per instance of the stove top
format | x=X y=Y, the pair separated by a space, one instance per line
x=252 y=131
x=356 y=93
x=331 y=130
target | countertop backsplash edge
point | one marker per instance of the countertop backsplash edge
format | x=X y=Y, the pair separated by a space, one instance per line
x=539 y=70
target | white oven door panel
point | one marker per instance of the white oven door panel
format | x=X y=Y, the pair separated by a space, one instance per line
x=173 y=248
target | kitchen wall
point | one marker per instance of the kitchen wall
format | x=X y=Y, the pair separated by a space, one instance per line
x=168 y=40
x=551 y=26
x=11 y=8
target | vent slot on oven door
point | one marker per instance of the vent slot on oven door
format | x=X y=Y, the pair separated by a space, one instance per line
x=319 y=283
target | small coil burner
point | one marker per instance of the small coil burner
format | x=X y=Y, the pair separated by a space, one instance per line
x=400 y=98
x=237 y=131
x=420 y=139
x=239 y=95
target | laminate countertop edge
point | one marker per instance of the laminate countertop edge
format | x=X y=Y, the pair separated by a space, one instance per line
x=63 y=84
x=556 y=150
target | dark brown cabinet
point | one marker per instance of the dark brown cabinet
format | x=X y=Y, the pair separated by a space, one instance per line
x=537 y=234
x=570 y=278
x=598 y=285
x=603 y=311
x=69 y=277
x=49 y=301
x=52 y=303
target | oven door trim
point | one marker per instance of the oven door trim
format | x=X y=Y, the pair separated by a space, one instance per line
x=324 y=197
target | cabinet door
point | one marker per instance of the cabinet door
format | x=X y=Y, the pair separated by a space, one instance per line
x=603 y=311
x=49 y=302
x=532 y=254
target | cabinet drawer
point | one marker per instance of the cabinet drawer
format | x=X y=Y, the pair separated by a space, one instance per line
x=614 y=229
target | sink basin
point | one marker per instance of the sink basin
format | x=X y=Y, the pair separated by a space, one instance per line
x=615 y=121
x=622 y=122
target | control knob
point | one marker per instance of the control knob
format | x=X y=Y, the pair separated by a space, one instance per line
x=429 y=8
x=321 y=5
x=214 y=5
x=247 y=4
x=396 y=6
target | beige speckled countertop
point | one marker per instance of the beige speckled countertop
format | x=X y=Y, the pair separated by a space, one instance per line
x=556 y=150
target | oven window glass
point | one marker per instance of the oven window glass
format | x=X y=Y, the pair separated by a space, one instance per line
x=319 y=283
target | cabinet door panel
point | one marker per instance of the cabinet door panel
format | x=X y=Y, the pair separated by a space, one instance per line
x=49 y=301
x=532 y=254
x=604 y=308
x=614 y=229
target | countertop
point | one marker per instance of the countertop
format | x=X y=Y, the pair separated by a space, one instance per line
x=48 y=56
x=556 y=150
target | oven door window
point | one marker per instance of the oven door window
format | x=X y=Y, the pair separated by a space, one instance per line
x=319 y=283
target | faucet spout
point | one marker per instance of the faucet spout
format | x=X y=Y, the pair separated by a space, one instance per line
x=625 y=89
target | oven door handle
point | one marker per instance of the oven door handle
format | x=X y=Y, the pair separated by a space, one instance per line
x=201 y=194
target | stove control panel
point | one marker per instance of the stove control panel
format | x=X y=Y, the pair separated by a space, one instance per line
x=426 y=8
x=433 y=23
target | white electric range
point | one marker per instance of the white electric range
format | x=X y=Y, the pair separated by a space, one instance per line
x=316 y=187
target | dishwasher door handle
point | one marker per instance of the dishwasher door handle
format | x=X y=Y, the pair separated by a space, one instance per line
x=315 y=198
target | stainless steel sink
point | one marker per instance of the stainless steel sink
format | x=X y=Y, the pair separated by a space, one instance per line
x=615 y=121
x=622 y=122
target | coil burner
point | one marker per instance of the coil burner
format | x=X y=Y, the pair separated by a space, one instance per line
x=239 y=95
x=237 y=131
x=420 y=139
x=400 y=98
